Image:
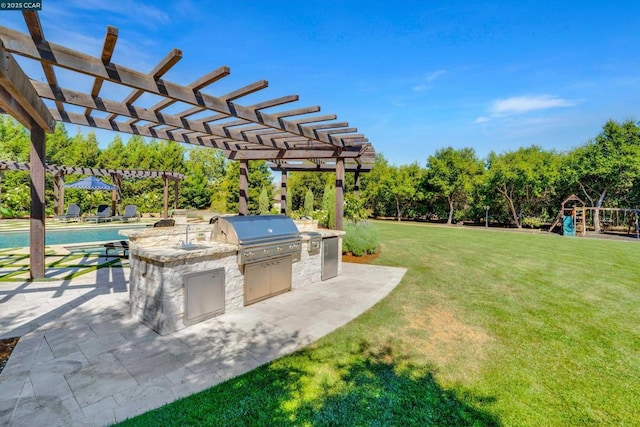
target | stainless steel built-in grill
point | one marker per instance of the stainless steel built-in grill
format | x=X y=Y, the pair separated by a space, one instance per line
x=268 y=245
x=260 y=237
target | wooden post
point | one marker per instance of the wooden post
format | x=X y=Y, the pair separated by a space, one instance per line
x=165 y=213
x=116 y=194
x=283 y=193
x=175 y=194
x=114 y=201
x=339 y=194
x=243 y=206
x=356 y=184
x=58 y=187
x=36 y=225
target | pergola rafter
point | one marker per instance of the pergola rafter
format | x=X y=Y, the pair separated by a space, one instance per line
x=51 y=55
x=242 y=132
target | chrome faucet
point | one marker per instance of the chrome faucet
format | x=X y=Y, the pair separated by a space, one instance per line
x=186 y=242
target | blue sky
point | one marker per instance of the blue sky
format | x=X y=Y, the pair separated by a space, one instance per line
x=413 y=76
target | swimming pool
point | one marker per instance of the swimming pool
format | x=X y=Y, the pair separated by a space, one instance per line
x=19 y=239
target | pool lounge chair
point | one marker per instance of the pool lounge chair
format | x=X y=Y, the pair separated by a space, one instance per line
x=73 y=214
x=103 y=214
x=130 y=214
x=119 y=246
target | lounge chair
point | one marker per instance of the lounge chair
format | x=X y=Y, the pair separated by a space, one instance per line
x=103 y=214
x=130 y=214
x=122 y=245
x=73 y=214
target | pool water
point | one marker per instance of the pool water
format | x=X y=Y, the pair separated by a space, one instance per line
x=19 y=239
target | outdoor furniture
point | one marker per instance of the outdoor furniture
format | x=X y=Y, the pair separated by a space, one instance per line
x=130 y=214
x=122 y=245
x=103 y=214
x=73 y=214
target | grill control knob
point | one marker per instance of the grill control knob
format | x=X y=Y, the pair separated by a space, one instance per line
x=279 y=249
x=266 y=251
x=248 y=254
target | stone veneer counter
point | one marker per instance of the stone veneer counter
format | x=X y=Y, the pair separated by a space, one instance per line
x=159 y=266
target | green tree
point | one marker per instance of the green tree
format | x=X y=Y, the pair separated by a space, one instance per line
x=14 y=140
x=205 y=169
x=402 y=186
x=329 y=206
x=452 y=174
x=259 y=177
x=264 y=202
x=525 y=178
x=374 y=191
x=308 y=202
x=113 y=157
x=607 y=167
x=301 y=182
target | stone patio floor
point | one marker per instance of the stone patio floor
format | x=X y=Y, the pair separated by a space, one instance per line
x=82 y=361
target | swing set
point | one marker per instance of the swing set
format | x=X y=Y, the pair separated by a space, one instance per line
x=578 y=218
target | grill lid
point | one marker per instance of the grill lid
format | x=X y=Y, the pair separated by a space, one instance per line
x=254 y=229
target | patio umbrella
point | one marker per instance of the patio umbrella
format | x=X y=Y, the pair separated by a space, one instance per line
x=90 y=183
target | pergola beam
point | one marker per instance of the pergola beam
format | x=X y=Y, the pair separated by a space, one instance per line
x=158 y=71
x=110 y=39
x=50 y=53
x=18 y=97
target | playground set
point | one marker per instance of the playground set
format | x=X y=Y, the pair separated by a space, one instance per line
x=577 y=219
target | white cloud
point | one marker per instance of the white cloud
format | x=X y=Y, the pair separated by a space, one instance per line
x=138 y=11
x=428 y=78
x=434 y=75
x=524 y=104
x=507 y=107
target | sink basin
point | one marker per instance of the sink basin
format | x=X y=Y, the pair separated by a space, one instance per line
x=192 y=247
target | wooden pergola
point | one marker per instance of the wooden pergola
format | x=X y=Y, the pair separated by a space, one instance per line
x=116 y=175
x=242 y=132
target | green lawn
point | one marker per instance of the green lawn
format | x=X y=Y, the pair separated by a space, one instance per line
x=487 y=328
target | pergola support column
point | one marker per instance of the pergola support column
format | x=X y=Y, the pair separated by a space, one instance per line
x=283 y=193
x=116 y=194
x=165 y=212
x=243 y=206
x=58 y=193
x=175 y=194
x=36 y=225
x=339 y=194
x=356 y=183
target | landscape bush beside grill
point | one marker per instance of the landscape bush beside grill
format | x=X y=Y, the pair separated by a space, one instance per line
x=360 y=239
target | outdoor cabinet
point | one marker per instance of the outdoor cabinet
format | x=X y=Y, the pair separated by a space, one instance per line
x=203 y=295
x=266 y=279
x=329 y=258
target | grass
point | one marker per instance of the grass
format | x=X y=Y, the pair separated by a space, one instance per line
x=486 y=328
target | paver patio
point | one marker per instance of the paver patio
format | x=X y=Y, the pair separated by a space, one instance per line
x=82 y=360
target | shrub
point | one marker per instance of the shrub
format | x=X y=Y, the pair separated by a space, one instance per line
x=532 y=222
x=354 y=208
x=360 y=239
x=264 y=202
x=328 y=219
x=308 y=202
x=6 y=213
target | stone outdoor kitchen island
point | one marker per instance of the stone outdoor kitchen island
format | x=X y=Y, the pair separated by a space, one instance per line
x=185 y=274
